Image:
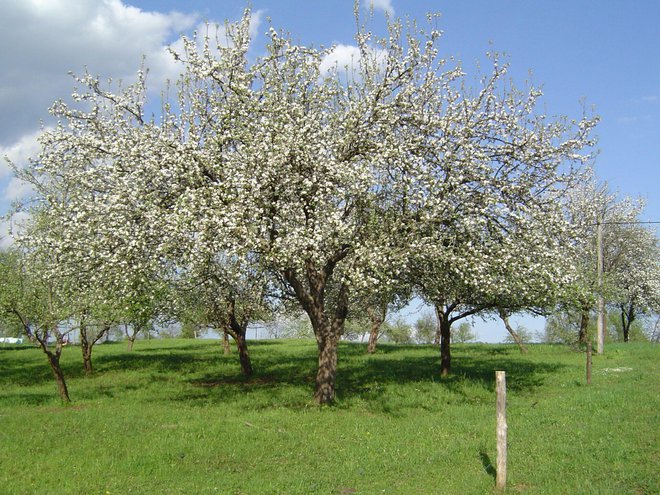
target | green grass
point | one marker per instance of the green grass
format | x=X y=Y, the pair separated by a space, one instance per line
x=176 y=417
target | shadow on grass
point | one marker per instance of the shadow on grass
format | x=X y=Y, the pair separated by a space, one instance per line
x=285 y=372
x=487 y=464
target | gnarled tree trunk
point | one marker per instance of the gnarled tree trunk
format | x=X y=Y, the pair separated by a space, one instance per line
x=328 y=325
x=238 y=331
x=327 y=342
x=54 y=361
x=40 y=338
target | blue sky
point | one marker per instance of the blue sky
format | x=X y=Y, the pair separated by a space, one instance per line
x=606 y=52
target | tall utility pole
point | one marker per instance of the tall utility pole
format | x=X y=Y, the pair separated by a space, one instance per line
x=600 y=337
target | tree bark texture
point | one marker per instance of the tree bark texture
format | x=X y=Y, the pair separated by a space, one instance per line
x=445 y=340
x=328 y=325
x=377 y=318
x=86 y=349
x=54 y=361
x=238 y=331
x=243 y=354
x=327 y=369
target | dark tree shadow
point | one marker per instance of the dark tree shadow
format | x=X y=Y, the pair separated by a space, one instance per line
x=289 y=370
x=487 y=464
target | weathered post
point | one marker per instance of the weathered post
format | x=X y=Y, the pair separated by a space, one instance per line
x=500 y=386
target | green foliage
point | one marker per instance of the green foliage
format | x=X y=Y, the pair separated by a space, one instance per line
x=356 y=328
x=9 y=327
x=425 y=328
x=562 y=328
x=291 y=326
x=190 y=330
x=526 y=336
x=398 y=332
x=298 y=328
x=615 y=329
x=463 y=334
x=176 y=417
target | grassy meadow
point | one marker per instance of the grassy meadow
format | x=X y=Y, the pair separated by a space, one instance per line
x=176 y=417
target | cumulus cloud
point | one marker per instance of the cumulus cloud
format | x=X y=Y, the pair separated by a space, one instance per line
x=47 y=39
x=17 y=189
x=11 y=226
x=342 y=57
x=346 y=58
x=51 y=38
x=19 y=152
x=384 y=5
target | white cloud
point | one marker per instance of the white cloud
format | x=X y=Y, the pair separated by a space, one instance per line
x=17 y=189
x=11 y=227
x=49 y=38
x=343 y=57
x=346 y=58
x=384 y=5
x=19 y=152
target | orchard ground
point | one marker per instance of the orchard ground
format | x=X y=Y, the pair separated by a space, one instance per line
x=176 y=416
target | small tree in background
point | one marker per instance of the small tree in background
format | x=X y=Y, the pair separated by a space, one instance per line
x=398 y=332
x=522 y=336
x=33 y=302
x=463 y=334
x=425 y=328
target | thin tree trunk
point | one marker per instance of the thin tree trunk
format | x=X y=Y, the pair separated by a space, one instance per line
x=86 y=349
x=627 y=317
x=377 y=319
x=512 y=332
x=225 y=343
x=438 y=332
x=445 y=341
x=238 y=331
x=130 y=336
x=584 y=325
x=54 y=361
x=243 y=354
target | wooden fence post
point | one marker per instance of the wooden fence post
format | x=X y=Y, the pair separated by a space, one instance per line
x=500 y=385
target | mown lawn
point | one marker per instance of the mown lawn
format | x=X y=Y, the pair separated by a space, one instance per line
x=176 y=417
